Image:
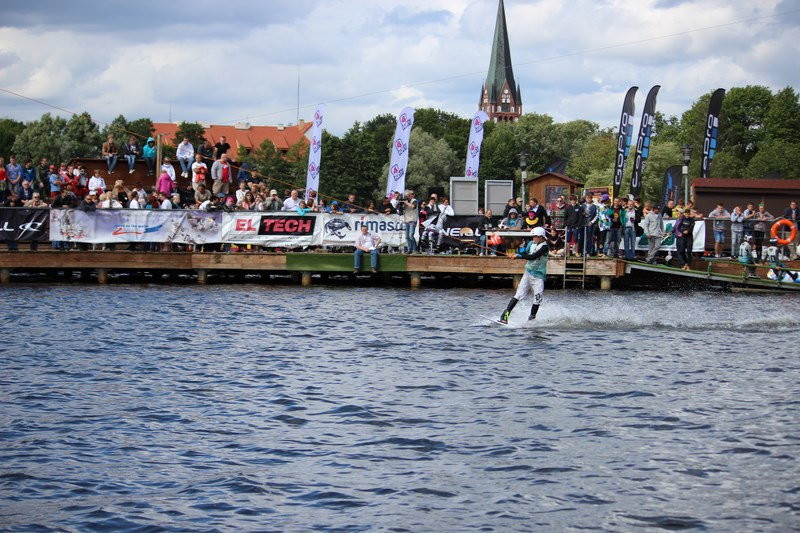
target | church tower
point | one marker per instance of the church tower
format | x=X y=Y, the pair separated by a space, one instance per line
x=501 y=98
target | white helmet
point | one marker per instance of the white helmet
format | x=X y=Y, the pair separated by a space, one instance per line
x=538 y=232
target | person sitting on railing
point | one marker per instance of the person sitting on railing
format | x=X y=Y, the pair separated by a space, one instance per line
x=774 y=255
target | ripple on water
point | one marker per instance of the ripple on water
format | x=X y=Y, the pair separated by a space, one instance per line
x=355 y=409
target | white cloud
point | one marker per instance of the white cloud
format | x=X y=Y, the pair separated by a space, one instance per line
x=392 y=53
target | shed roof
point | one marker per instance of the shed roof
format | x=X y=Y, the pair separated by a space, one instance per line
x=559 y=176
x=283 y=137
x=738 y=183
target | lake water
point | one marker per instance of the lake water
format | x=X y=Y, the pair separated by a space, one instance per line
x=287 y=408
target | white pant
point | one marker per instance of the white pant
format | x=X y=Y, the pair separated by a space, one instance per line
x=530 y=284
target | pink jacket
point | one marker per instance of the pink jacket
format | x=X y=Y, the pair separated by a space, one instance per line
x=164 y=183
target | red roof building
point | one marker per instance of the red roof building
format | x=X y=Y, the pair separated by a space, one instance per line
x=246 y=135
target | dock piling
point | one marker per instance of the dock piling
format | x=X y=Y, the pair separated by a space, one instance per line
x=305 y=279
x=416 y=279
x=102 y=276
x=202 y=276
x=5 y=275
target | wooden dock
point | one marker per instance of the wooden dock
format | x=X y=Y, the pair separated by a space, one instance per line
x=300 y=265
x=393 y=269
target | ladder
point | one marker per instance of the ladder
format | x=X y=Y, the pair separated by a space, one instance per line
x=574 y=271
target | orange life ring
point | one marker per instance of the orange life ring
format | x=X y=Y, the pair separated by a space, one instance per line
x=495 y=239
x=792 y=231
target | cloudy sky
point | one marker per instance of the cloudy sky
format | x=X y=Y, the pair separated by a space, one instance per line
x=220 y=62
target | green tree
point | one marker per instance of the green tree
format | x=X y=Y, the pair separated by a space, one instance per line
x=443 y=125
x=81 y=137
x=744 y=112
x=598 y=153
x=500 y=153
x=42 y=138
x=141 y=128
x=118 y=128
x=192 y=131
x=727 y=164
x=777 y=158
x=782 y=122
x=431 y=163
x=667 y=129
x=9 y=129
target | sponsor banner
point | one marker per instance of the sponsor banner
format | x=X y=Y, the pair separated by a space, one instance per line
x=668 y=241
x=24 y=224
x=315 y=152
x=474 y=146
x=671 y=189
x=712 y=129
x=135 y=225
x=396 y=181
x=342 y=230
x=643 y=142
x=277 y=230
x=624 y=136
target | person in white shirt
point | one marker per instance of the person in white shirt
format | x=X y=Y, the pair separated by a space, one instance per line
x=185 y=155
x=366 y=243
x=97 y=183
x=445 y=210
x=199 y=172
x=165 y=202
x=240 y=192
x=108 y=202
x=134 y=203
x=293 y=202
x=167 y=167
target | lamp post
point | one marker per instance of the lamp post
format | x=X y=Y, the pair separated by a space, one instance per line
x=687 y=157
x=523 y=165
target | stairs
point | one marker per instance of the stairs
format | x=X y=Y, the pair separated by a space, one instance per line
x=574 y=271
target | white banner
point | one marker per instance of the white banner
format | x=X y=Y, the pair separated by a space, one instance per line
x=474 y=146
x=135 y=225
x=668 y=241
x=315 y=152
x=276 y=229
x=399 y=161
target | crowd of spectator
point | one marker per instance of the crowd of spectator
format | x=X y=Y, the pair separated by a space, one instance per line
x=592 y=226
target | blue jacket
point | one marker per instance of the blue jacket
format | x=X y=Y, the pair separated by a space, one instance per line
x=147 y=150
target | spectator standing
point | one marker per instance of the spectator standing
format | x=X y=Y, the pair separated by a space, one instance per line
x=616 y=216
x=749 y=219
x=629 y=224
x=558 y=215
x=185 y=155
x=486 y=225
x=652 y=227
x=274 y=203
x=684 y=232
x=511 y=204
x=604 y=213
x=351 y=206
x=56 y=183
x=187 y=196
x=366 y=243
x=411 y=219
x=206 y=153
x=244 y=174
x=149 y=152
x=793 y=214
x=240 y=192
x=221 y=148
x=762 y=216
x=199 y=172
x=43 y=178
x=536 y=214
x=165 y=184
x=14 y=174
x=720 y=215
x=737 y=230
x=588 y=225
x=110 y=154
x=3 y=181
x=293 y=202
x=572 y=221
x=386 y=207
x=96 y=183
x=132 y=151
x=221 y=174
x=166 y=166
x=29 y=174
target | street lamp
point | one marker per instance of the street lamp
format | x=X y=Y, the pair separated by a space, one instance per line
x=687 y=157
x=523 y=165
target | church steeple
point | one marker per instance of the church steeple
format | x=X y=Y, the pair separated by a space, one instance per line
x=500 y=97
